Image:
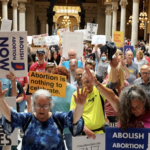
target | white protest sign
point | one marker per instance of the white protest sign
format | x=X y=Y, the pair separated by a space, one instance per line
x=13 y=53
x=52 y=40
x=39 y=39
x=83 y=31
x=84 y=143
x=11 y=139
x=62 y=31
x=91 y=30
x=99 y=39
x=29 y=39
x=72 y=40
x=6 y=25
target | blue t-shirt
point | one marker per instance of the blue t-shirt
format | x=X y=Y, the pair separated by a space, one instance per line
x=6 y=84
x=63 y=103
x=66 y=64
x=42 y=135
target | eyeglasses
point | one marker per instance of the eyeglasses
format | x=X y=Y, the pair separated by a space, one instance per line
x=145 y=73
x=39 y=106
x=72 y=55
x=79 y=74
x=50 y=63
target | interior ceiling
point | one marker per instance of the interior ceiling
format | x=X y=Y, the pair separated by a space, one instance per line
x=69 y=8
x=70 y=3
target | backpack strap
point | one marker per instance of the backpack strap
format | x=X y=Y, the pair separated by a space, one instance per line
x=27 y=124
x=102 y=102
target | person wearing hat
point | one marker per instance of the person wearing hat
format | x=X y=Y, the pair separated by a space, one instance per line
x=38 y=66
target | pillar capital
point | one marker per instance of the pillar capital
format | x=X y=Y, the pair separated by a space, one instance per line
x=14 y=4
x=5 y=1
x=108 y=10
x=22 y=8
x=115 y=6
x=123 y=3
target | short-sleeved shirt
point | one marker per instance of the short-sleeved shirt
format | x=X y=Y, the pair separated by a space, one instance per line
x=93 y=112
x=133 y=68
x=23 y=80
x=66 y=64
x=140 y=63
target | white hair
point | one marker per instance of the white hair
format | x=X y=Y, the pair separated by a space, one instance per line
x=84 y=73
x=40 y=93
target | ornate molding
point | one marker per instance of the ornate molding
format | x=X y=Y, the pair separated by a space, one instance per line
x=108 y=10
x=114 y=6
x=4 y=2
x=22 y=1
x=14 y=4
x=136 y=1
x=22 y=8
x=123 y=3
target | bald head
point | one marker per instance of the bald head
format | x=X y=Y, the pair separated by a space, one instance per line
x=72 y=54
x=144 y=67
x=129 y=56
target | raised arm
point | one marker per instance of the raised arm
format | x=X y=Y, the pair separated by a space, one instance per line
x=4 y=108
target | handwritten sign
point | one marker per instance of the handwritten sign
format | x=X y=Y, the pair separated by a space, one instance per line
x=11 y=139
x=132 y=138
x=84 y=31
x=74 y=41
x=61 y=33
x=13 y=53
x=83 y=143
x=52 y=40
x=39 y=39
x=118 y=38
x=91 y=30
x=99 y=39
x=55 y=84
x=6 y=25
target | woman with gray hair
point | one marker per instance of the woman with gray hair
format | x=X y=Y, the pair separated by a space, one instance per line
x=43 y=130
x=134 y=108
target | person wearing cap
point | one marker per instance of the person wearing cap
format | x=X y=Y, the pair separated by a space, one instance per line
x=38 y=66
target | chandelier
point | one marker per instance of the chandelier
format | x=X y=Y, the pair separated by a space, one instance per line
x=66 y=20
x=130 y=20
x=143 y=18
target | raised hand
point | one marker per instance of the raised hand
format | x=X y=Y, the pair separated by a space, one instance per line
x=2 y=93
x=80 y=99
x=11 y=77
x=114 y=62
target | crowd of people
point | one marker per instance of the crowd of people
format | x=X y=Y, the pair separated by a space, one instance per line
x=100 y=92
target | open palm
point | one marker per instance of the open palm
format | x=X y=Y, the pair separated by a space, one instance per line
x=2 y=93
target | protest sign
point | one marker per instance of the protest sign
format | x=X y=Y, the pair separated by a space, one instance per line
x=39 y=39
x=132 y=138
x=84 y=31
x=13 y=53
x=52 y=40
x=11 y=139
x=29 y=39
x=74 y=41
x=55 y=84
x=61 y=33
x=6 y=25
x=91 y=30
x=128 y=48
x=84 y=143
x=99 y=39
x=118 y=38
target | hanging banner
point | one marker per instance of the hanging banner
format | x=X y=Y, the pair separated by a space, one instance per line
x=73 y=41
x=118 y=38
x=39 y=39
x=52 y=40
x=61 y=33
x=91 y=30
x=99 y=39
x=55 y=84
x=13 y=53
x=84 y=143
x=128 y=48
x=11 y=139
x=84 y=31
x=132 y=138
x=6 y=25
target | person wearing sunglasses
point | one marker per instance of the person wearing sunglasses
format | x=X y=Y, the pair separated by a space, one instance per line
x=42 y=129
x=49 y=67
x=144 y=80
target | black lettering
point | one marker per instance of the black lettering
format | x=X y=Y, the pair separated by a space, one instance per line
x=8 y=139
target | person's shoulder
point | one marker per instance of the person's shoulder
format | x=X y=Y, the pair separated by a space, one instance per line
x=137 y=81
x=33 y=65
x=134 y=64
x=72 y=86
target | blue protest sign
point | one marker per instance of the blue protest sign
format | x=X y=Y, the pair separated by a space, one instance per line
x=132 y=138
x=128 y=48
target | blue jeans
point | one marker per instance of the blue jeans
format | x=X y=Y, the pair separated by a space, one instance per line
x=22 y=105
x=68 y=138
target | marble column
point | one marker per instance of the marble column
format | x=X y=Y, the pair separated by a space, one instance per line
x=47 y=28
x=145 y=31
x=55 y=25
x=123 y=4
x=114 y=10
x=108 y=12
x=134 y=35
x=43 y=21
x=14 y=4
x=22 y=18
x=4 y=9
